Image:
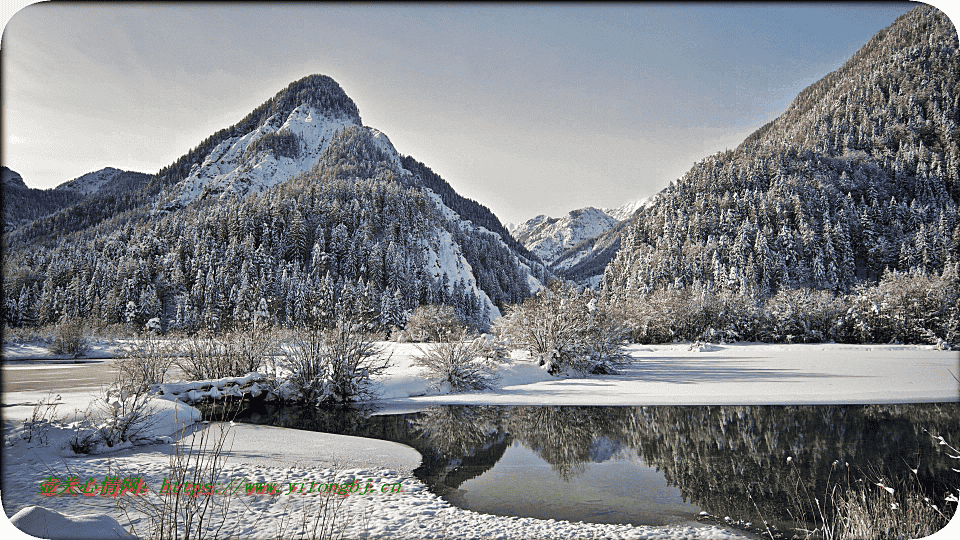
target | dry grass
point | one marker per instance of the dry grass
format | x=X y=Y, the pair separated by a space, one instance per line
x=873 y=508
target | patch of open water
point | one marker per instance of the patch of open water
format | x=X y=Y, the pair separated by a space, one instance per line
x=655 y=465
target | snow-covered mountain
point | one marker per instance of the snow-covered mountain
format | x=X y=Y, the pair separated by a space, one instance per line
x=549 y=238
x=23 y=204
x=91 y=182
x=856 y=181
x=12 y=179
x=626 y=211
x=294 y=138
x=578 y=246
x=298 y=206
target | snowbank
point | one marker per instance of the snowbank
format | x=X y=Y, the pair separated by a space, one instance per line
x=42 y=523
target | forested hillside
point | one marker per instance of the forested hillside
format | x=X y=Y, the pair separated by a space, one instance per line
x=339 y=228
x=22 y=204
x=857 y=180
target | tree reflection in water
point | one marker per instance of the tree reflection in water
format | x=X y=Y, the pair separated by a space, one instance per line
x=562 y=436
x=721 y=458
x=458 y=429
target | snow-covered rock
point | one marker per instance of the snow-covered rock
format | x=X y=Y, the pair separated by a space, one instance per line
x=43 y=523
x=212 y=388
x=626 y=211
x=444 y=258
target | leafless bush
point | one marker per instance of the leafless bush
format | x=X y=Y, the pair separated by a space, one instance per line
x=188 y=503
x=334 y=365
x=43 y=416
x=123 y=414
x=463 y=362
x=563 y=328
x=145 y=362
x=85 y=437
x=320 y=518
x=209 y=356
x=433 y=323
x=875 y=509
x=68 y=337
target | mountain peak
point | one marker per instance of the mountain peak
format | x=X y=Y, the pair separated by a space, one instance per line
x=627 y=210
x=318 y=91
x=549 y=238
x=11 y=179
x=283 y=137
x=91 y=182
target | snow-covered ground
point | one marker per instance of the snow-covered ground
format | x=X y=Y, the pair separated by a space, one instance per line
x=662 y=375
x=706 y=374
x=36 y=349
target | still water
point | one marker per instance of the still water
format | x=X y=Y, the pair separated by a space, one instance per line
x=617 y=489
x=654 y=465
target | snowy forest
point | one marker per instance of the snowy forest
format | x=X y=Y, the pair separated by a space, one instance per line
x=338 y=241
x=835 y=222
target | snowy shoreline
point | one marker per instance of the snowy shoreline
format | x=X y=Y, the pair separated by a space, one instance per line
x=675 y=374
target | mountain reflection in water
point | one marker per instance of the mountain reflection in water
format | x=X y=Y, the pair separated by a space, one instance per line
x=726 y=460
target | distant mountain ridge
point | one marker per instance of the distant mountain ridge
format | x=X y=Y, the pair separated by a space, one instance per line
x=549 y=238
x=91 y=183
x=22 y=205
x=578 y=246
x=11 y=179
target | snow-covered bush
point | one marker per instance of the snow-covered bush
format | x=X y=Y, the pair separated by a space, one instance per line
x=85 y=437
x=905 y=308
x=564 y=328
x=462 y=362
x=154 y=326
x=435 y=323
x=68 y=337
x=691 y=313
x=145 y=361
x=800 y=316
x=123 y=414
x=206 y=355
x=334 y=365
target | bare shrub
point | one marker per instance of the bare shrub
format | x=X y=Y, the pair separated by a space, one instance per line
x=68 y=337
x=801 y=316
x=875 y=509
x=320 y=518
x=463 y=362
x=84 y=433
x=186 y=505
x=145 y=361
x=433 y=323
x=123 y=413
x=563 y=328
x=234 y=354
x=43 y=416
x=334 y=365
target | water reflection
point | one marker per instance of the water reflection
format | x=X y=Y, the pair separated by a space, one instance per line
x=728 y=460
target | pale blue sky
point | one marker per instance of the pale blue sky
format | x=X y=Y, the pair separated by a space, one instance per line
x=528 y=109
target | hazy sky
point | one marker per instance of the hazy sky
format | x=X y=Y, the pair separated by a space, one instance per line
x=528 y=109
